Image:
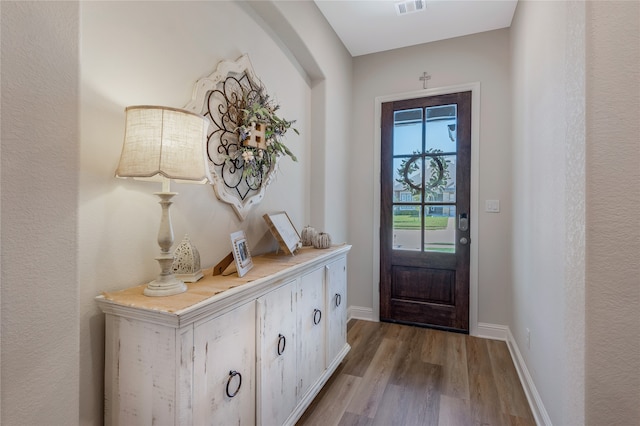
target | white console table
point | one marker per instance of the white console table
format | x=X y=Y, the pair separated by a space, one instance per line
x=230 y=350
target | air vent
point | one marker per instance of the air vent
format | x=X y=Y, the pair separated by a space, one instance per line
x=410 y=6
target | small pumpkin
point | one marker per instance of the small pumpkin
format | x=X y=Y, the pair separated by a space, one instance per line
x=322 y=240
x=307 y=236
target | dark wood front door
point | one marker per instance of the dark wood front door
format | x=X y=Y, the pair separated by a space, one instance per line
x=425 y=211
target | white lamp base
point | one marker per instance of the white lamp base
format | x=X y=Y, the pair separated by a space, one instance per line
x=165 y=288
x=166 y=284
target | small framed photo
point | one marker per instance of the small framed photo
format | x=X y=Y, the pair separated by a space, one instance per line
x=283 y=230
x=241 y=253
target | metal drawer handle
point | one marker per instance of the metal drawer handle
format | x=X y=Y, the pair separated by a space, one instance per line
x=232 y=374
x=282 y=343
x=338 y=299
x=317 y=314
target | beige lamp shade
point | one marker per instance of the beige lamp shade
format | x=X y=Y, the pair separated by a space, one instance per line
x=163 y=141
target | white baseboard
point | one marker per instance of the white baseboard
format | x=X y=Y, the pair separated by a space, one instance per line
x=359 y=312
x=502 y=332
x=492 y=331
x=535 y=402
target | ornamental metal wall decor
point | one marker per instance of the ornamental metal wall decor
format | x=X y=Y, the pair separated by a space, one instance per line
x=244 y=140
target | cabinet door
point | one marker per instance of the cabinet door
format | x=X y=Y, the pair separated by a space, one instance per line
x=311 y=320
x=336 y=307
x=224 y=363
x=276 y=355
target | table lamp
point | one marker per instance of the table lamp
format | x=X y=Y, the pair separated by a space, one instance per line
x=161 y=144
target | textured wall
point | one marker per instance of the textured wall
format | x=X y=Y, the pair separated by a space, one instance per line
x=613 y=203
x=548 y=175
x=39 y=218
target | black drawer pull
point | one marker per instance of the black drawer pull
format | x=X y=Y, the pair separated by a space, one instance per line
x=338 y=299
x=317 y=314
x=282 y=343
x=232 y=374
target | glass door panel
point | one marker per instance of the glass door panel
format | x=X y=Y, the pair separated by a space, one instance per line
x=407 y=179
x=440 y=178
x=407 y=227
x=407 y=135
x=440 y=228
x=424 y=179
x=440 y=128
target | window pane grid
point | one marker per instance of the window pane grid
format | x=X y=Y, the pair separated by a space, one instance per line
x=424 y=160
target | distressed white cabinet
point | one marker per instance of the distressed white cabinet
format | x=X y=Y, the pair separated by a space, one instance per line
x=230 y=350
x=336 y=282
x=311 y=321
x=277 y=373
x=223 y=369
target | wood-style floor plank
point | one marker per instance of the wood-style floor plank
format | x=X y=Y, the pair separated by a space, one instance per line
x=328 y=411
x=483 y=393
x=455 y=382
x=408 y=376
x=512 y=397
x=364 y=338
x=375 y=379
x=454 y=411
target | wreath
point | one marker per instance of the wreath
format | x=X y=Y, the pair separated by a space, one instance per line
x=260 y=135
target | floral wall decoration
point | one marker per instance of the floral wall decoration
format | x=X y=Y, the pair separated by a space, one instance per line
x=245 y=139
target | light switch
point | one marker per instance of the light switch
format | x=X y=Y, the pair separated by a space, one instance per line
x=492 y=206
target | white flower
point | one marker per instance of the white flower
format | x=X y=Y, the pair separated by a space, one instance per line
x=261 y=153
x=247 y=156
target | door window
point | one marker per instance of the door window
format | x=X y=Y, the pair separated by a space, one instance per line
x=424 y=179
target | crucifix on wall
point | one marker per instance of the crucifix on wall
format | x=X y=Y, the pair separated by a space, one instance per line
x=425 y=77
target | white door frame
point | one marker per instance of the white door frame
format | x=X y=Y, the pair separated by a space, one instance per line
x=475 y=206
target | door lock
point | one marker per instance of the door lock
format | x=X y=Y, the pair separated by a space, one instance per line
x=463 y=222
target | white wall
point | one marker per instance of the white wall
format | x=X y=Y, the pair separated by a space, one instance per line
x=482 y=58
x=576 y=268
x=547 y=53
x=613 y=202
x=75 y=230
x=87 y=232
x=39 y=195
x=152 y=53
x=305 y=32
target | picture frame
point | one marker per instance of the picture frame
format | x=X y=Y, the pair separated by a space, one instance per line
x=283 y=230
x=241 y=253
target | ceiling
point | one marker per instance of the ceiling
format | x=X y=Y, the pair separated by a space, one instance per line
x=370 y=26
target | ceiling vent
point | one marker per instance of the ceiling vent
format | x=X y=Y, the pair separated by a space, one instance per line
x=410 y=6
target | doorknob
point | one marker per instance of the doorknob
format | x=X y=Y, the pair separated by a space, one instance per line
x=464 y=240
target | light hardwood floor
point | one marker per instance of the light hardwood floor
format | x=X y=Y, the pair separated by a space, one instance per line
x=403 y=375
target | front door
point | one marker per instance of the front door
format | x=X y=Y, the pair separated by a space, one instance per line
x=425 y=211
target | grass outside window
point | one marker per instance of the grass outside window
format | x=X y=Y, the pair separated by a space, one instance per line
x=432 y=223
